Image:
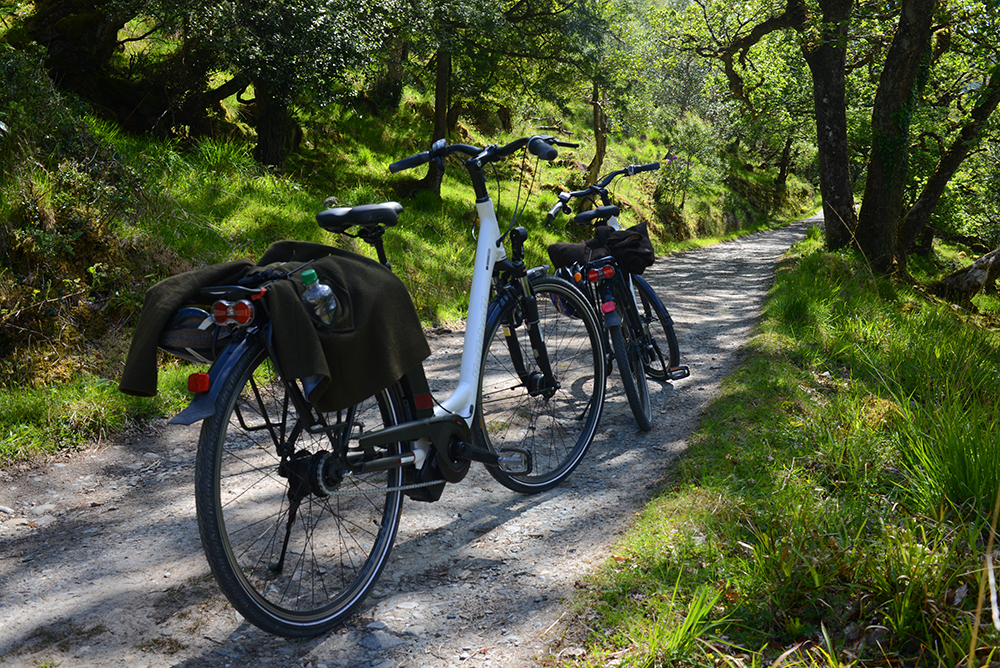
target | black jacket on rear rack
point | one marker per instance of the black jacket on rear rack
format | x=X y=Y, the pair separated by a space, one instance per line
x=374 y=340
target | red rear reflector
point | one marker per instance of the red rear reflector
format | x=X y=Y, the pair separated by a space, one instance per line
x=423 y=401
x=608 y=271
x=198 y=382
x=608 y=307
x=593 y=275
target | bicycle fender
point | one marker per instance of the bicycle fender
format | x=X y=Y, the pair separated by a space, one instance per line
x=612 y=319
x=203 y=404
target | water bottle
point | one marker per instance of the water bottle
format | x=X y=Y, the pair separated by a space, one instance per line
x=318 y=298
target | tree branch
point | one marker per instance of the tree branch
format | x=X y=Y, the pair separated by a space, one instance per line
x=916 y=218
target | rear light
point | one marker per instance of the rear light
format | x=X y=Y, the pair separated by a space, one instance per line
x=607 y=271
x=608 y=307
x=198 y=382
x=232 y=313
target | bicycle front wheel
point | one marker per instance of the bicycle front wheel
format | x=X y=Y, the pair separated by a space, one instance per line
x=293 y=556
x=665 y=354
x=626 y=347
x=516 y=408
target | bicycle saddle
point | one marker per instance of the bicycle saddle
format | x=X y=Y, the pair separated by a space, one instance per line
x=368 y=216
x=599 y=214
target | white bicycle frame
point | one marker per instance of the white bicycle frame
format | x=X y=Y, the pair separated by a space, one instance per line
x=489 y=251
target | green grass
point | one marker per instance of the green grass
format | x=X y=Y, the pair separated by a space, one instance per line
x=834 y=506
x=44 y=421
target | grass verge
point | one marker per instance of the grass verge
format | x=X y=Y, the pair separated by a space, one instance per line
x=834 y=507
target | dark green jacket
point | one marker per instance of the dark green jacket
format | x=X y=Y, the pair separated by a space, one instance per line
x=375 y=338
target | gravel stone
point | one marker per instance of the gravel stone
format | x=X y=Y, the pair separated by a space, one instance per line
x=99 y=548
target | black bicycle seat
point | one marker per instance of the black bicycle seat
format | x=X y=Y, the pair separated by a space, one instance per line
x=601 y=213
x=368 y=216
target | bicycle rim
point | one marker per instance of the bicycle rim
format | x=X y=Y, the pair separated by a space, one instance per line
x=337 y=545
x=630 y=366
x=556 y=429
x=666 y=352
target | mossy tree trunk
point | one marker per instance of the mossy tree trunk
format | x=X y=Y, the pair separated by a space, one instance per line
x=442 y=103
x=888 y=166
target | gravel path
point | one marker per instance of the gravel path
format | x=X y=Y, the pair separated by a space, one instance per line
x=101 y=565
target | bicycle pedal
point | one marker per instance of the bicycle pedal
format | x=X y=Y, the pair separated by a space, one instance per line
x=516 y=461
x=678 y=372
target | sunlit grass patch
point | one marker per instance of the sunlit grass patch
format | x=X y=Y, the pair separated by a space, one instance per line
x=836 y=498
x=38 y=421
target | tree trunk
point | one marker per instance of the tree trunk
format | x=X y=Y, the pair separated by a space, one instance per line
x=963 y=285
x=916 y=218
x=826 y=63
x=442 y=99
x=387 y=91
x=600 y=137
x=276 y=129
x=888 y=166
x=785 y=163
x=442 y=94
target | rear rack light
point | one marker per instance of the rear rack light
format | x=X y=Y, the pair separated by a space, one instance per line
x=594 y=275
x=240 y=313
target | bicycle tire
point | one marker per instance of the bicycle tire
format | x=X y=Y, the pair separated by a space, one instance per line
x=558 y=430
x=653 y=311
x=630 y=367
x=338 y=544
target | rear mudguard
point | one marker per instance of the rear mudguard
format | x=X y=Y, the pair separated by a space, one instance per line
x=203 y=404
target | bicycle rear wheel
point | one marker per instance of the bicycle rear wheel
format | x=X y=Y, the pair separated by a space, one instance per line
x=295 y=560
x=666 y=353
x=556 y=425
x=628 y=355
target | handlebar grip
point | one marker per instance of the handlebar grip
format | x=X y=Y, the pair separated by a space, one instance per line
x=541 y=148
x=553 y=212
x=648 y=167
x=413 y=161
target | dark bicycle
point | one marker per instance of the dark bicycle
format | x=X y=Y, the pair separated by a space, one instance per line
x=607 y=270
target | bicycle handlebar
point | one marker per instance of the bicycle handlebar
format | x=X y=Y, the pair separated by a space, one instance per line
x=554 y=211
x=412 y=161
x=542 y=146
x=599 y=188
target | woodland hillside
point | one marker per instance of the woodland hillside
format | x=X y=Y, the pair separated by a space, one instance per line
x=140 y=139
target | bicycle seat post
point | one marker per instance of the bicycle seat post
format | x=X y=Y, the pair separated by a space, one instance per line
x=373 y=237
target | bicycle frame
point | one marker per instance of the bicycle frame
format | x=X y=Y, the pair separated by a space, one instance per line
x=489 y=251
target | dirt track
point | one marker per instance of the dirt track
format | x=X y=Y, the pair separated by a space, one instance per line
x=100 y=562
